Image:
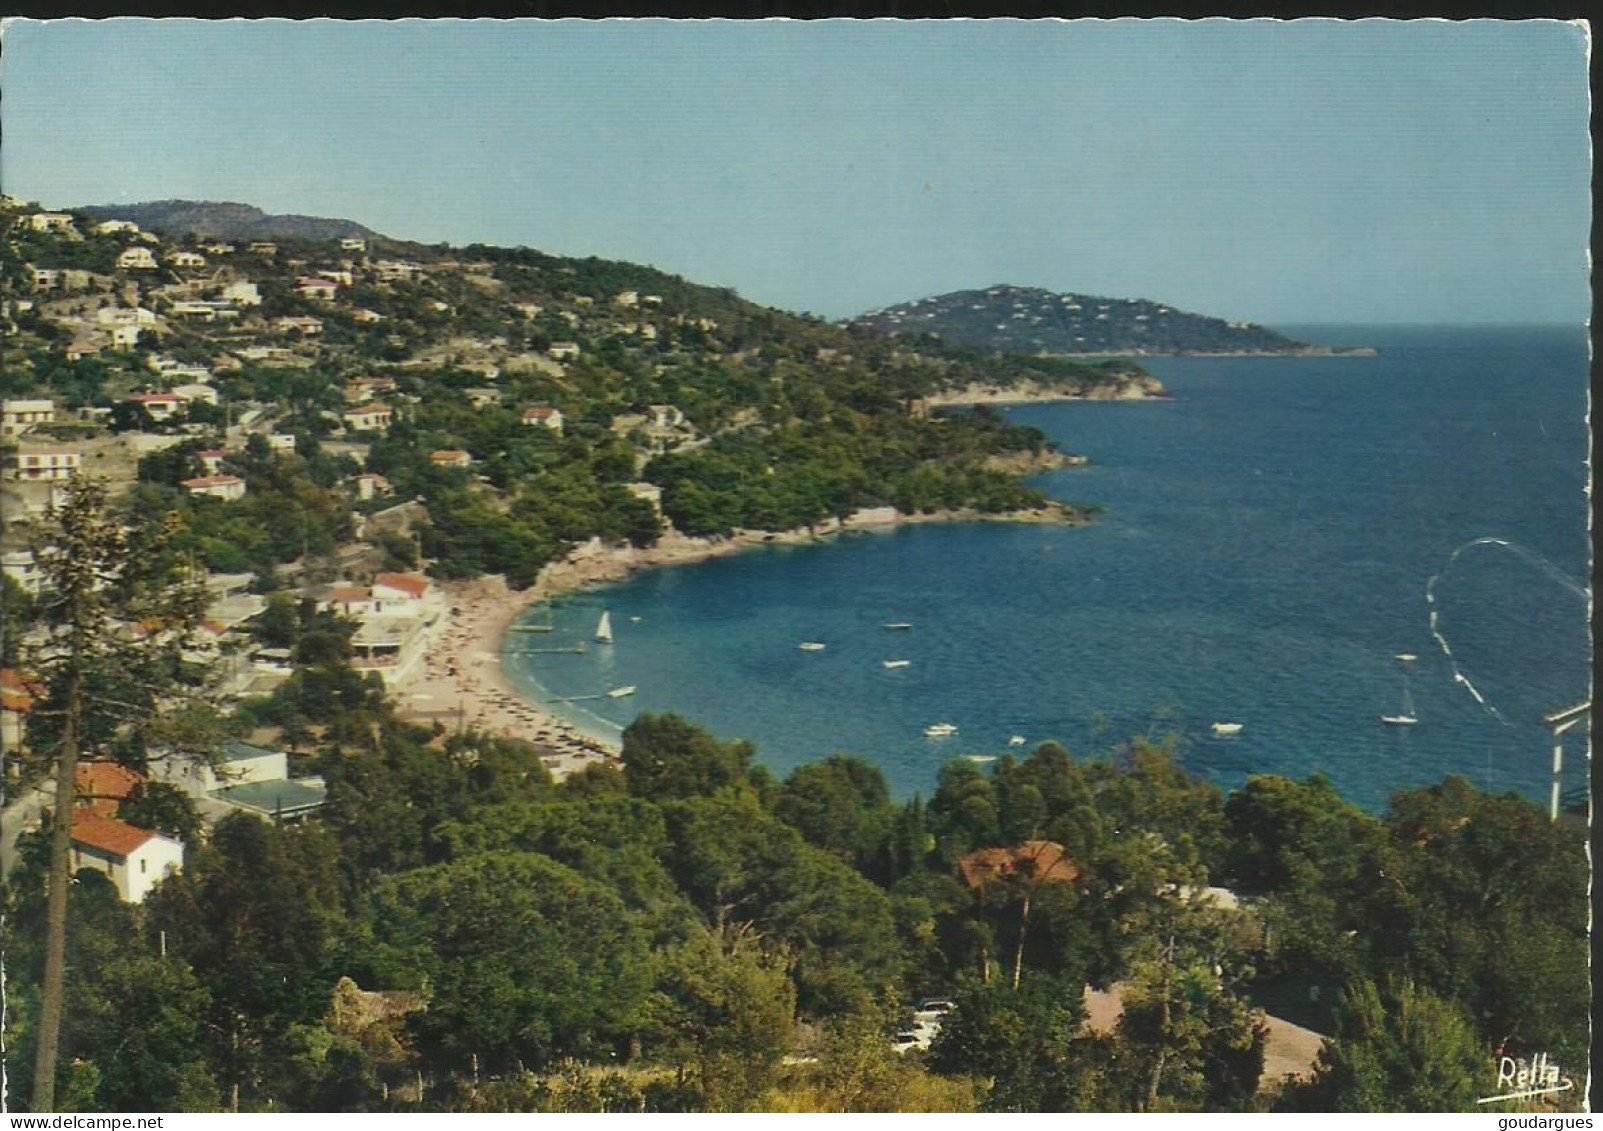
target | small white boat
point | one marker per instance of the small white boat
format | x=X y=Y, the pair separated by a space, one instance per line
x=604 y=628
x=940 y=730
x=811 y=646
x=1407 y=657
x=1405 y=717
x=1226 y=730
x=1016 y=740
x=896 y=663
x=980 y=757
x=636 y=620
x=620 y=692
x=899 y=624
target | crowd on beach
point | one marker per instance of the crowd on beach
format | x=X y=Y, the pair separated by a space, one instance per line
x=462 y=683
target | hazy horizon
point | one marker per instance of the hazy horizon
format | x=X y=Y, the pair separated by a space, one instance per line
x=1313 y=172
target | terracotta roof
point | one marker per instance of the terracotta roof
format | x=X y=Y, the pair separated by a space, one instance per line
x=1043 y=861
x=211 y=481
x=539 y=413
x=405 y=582
x=16 y=692
x=155 y=398
x=348 y=595
x=213 y=453
x=450 y=455
x=107 y=834
x=317 y=283
x=105 y=781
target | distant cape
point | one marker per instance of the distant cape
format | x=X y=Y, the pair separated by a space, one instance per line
x=228 y=221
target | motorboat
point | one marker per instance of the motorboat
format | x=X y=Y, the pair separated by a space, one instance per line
x=810 y=646
x=620 y=692
x=1226 y=730
x=896 y=663
x=940 y=730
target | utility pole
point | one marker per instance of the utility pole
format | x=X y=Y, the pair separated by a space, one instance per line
x=1562 y=721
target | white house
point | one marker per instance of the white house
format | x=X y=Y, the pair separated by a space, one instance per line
x=125 y=316
x=47 y=465
x=322 y=289
x=17 y=417
x=353 y=243
x=188 y=393
x=186 y=259
x=392 y=270
x=237 y=763
x=370 y=485
x=23 y=568
x=112 y=227
x=368 y=418
x=124 y=337
x=262 y=247
x=135 y=860
x=243 y=294
x=451 y=457
x=45 y=278
x=399 y=591
x=212 y=460
x=50 y=222
x=550 y=417
x=161 y=406
x=300 y=325
x=560 y=350
x=136 y=259
x=227 y=487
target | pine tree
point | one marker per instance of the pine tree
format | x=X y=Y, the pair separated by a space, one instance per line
x=115 y=618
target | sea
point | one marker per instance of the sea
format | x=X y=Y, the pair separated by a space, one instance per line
x=1272 y=541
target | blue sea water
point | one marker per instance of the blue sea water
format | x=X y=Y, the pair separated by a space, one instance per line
x=1264 y=556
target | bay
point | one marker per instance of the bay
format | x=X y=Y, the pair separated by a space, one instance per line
x=1264 y=556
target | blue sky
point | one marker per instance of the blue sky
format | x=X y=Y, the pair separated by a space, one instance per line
x=1316 y=171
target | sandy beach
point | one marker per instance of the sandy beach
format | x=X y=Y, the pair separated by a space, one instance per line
x=461 y=682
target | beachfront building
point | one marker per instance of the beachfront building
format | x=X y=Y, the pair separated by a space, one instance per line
x=133 y=859
x=19 y=416
x=226 y=487
x=236 y=763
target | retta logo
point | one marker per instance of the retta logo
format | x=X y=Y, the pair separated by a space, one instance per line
x=1520 y=1079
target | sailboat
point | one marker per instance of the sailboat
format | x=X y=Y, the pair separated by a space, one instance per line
x=1406 y=717
x=604 y=628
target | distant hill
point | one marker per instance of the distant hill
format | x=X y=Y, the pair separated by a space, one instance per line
x=1029 y=320
x=227 y=221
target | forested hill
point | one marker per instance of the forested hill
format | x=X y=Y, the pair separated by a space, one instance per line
x=227 y=221
x=1029 y=320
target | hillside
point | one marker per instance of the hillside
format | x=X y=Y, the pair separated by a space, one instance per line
x=1032 y=321
x=227 y=221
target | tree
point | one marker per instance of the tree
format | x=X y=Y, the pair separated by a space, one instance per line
x=666 y=757
x=1397 y=1047
x=117 y=617
x=1024 y=1041
x=162 y=808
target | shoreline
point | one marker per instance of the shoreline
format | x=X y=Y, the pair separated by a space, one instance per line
x=1033 y=392
x=464 y=681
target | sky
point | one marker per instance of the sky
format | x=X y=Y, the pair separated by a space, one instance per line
x=1314 y=171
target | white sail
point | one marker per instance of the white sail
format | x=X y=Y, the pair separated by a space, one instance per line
x=604 y=629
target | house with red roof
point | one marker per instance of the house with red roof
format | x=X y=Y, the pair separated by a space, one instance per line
x=103 y=786
x=407 y=588
x=323 y=289
x=369 y=418
x=135 y=860
x=159 y=405
x=550 y=417
x=451 y=457
x=216 y=486
x=16 y=701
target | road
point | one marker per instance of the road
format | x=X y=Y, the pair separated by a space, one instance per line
x=18 y=816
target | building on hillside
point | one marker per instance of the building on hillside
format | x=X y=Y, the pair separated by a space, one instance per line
x=353 y=243
x=103 y=786
x=368 y=418
x=451 y=457
x=217 y=248
x=18 y=416
x=204 y=310
x=396 y=270
x=186 y=259
x=283 y=802
x=50 y=222
x=405 y=591
x=559 y=351
x=482 y=398
x=16 y=703
x=322 y=289
x=228 y=487
x=650 y=492
x=47 y=465
x=116 y=227
x=133 y=859
x=23 y=568
x=125 y=316
x=344 y=598
x=212 y=459
x=236 y=763
x=371 y=486
x=340 y=275
x=188 y=393
x=243 y=293
x=298 y=324
x=262 y=247
x=160 y=406
x=366 y=317
x=45 y=278
x=549 y=417
x=125 y=337
x=136 y=259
